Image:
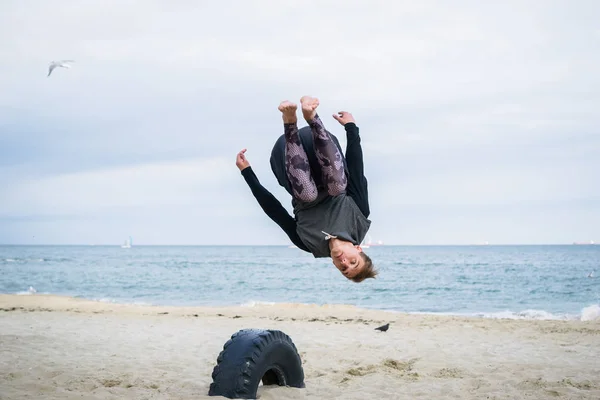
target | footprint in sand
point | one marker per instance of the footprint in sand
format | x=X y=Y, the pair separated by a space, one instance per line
x=110 y=382
x=449 y=373
x=405 y=368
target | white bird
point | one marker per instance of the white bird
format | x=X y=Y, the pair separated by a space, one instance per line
x=55 y=64
x=591 y=275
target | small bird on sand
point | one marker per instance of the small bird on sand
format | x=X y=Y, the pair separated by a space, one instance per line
x=55 y=64
x=383 y=328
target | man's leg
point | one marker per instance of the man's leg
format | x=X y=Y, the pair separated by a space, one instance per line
x=328 y=154
x=296 y=161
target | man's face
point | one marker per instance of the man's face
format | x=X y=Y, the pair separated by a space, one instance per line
x=347 y=259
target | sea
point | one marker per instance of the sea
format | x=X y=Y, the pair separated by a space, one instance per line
x=490 y=281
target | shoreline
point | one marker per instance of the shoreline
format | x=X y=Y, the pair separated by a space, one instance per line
x=588 y=313
x=291 y=311
x=58 y=347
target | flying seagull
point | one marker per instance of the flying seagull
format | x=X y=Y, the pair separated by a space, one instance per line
x=55 y=64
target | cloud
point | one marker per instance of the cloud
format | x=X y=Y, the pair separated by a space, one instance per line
x=176 y=184
x=488 y=106
x=178 y=202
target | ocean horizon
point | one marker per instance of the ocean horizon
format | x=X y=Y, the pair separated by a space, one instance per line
x=113 y=244
x=535 y=281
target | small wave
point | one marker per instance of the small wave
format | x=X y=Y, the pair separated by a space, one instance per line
x=253 y=303
x=333 y=306
x=435 y=289
x=527 y=315
x=490 y=291
x=121 y=302
x=31 y=290
x=587 y=314
x=590 y=313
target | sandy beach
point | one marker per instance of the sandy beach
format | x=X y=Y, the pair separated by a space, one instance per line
x=56 y=347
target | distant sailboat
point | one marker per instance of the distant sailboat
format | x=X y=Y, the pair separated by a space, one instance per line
x=366 y=244
x=127 y=244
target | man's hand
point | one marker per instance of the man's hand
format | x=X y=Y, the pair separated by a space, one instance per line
x=241 y=160
x=343 y=117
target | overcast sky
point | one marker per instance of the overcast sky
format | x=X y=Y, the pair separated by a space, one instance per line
x=479 y=121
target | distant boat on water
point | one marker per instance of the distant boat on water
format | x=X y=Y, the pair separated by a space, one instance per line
x=584 y=243
x=127 y=244
x=368 y=242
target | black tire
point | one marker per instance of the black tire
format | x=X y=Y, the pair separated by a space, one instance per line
x=252 y=355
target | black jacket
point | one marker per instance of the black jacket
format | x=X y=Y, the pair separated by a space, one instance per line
x=357 y=188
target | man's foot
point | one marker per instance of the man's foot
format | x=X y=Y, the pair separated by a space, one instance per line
x=309 y=107
x=288 y=112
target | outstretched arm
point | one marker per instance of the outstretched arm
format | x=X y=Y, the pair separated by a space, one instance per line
x=357 y=182
x=270 y=205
